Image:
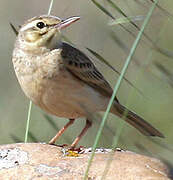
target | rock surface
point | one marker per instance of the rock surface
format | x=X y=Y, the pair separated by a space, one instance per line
x=42 y=162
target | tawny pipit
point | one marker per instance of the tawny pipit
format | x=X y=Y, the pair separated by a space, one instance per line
x=61 y=79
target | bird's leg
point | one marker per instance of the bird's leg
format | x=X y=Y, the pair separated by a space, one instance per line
x=84 y=130
x=61 y=131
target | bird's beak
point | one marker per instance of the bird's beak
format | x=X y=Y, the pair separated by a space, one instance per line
x=64 y=23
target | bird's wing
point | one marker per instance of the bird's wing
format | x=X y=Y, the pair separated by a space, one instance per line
x=83 y=68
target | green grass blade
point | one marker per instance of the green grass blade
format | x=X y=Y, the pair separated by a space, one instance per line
x=28 y=121
x=163 y=10
x=155 y=46
x=110 y=15
x=103 y=9
x=121 y=12
x=168 y=75
x=15 y=138
x=51 y=122
x=124 y=20
x=32 y=137
x=30 y=103
x=123 y=46
x=118 y=85
x=14 y=29
x=98 y=56
x=50 y=7
x=116 y=7
x=115 y=142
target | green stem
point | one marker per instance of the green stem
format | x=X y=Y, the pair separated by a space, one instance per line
x=28 y=121
x=118 y=85
x=50 y=7
x=30 y=103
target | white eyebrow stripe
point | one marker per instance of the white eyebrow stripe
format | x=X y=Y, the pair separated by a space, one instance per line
x=31 y=24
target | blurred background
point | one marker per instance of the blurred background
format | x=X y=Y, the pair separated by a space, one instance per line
x=150 y=71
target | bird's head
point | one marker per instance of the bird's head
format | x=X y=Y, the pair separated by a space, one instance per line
x=42 y=31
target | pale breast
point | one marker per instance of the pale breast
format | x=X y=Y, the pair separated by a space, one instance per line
x=51 y=86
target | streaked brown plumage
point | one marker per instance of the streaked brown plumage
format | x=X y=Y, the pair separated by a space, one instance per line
x=62 y=80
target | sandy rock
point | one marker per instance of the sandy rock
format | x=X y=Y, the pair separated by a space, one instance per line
x=42 y=162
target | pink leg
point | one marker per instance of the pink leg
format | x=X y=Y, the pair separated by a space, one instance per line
x=84 y=130
x=61 y=131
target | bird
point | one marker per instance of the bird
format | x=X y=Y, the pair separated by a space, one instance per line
x=62 y=80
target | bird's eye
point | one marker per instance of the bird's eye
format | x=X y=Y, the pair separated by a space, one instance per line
x=40 y=25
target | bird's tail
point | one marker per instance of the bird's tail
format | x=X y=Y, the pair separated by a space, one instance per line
x=135 y=120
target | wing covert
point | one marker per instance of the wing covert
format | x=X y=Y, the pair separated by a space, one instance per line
x=83 y=68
